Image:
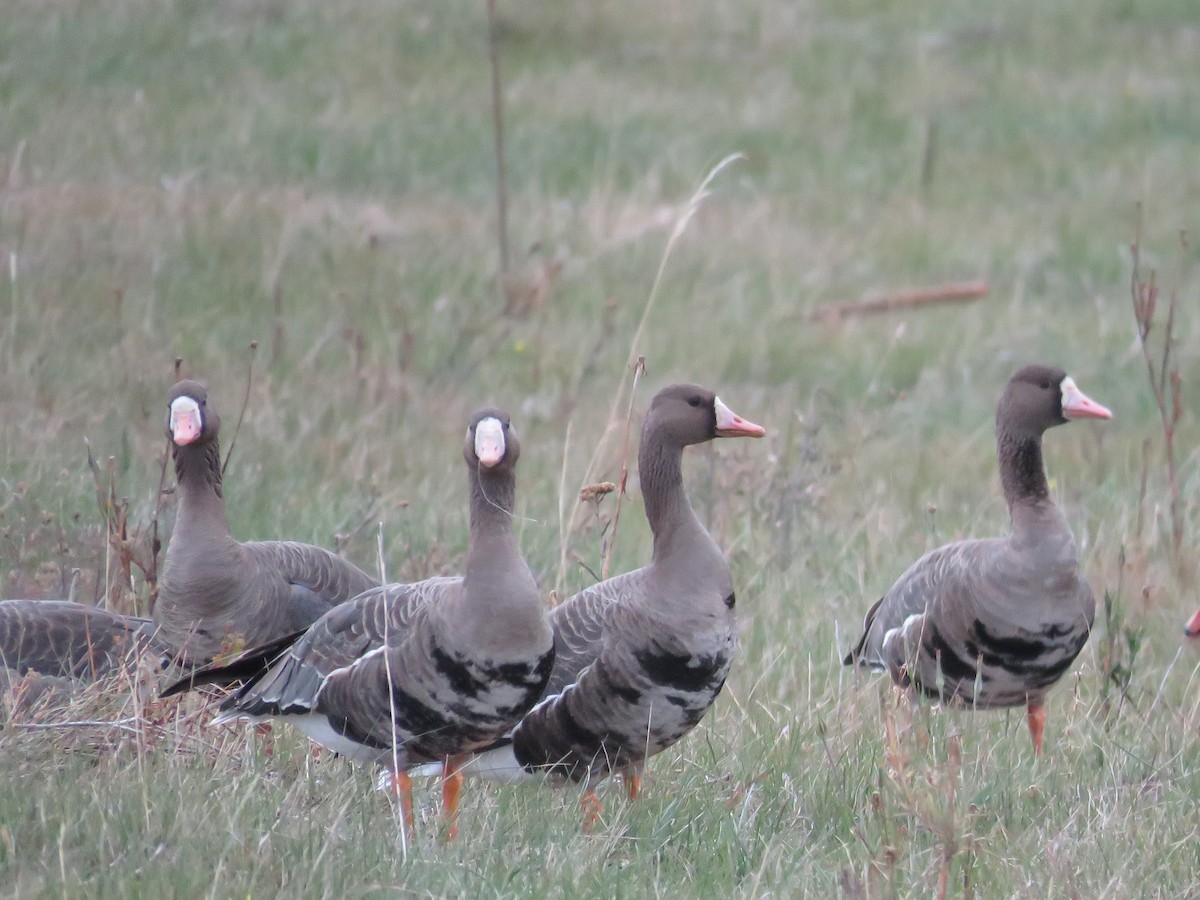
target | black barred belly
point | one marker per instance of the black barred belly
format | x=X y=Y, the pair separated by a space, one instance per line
x=1007 y=669
x=468 y=705
x=612 y=719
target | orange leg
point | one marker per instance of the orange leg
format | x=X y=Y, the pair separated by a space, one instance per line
x=591 y=808
x=633 y=784
x=1037 y=724
x=263 y=730
x=402 y=788
x=452 y=782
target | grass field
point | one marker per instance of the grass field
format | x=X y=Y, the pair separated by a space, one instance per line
x=178 y=179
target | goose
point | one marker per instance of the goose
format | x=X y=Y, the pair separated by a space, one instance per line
x=641 y=657
x=62 y=638
x=996 y=622
x=60 y=643
x=406 y=674
x=217 y=593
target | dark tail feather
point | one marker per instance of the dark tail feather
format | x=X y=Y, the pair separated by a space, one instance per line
x=247 y=666
x=855 y=656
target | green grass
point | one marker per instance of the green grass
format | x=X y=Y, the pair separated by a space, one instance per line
x=178 y=179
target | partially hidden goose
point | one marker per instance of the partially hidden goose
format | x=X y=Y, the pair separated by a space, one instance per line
x=641 y=657
x=996 y=622
x=217 y=594
x=60 y=639
x=407 y=674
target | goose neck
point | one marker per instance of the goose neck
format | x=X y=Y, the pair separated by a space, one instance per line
x=660 y=471
x=1023 y=478
x=493 y=495
x=201 y=495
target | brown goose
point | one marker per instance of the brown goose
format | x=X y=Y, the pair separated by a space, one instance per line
x=412 y=673
x=996 y=622
x=641 y=657
x=51 y=647
x=216 y=592
x=59 y=639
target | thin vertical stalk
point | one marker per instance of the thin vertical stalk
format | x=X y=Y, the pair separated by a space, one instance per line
x=498 y=134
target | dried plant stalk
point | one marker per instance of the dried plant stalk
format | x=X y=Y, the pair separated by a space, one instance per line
x=155 y=542
x=955 y=292
x=245 y=403
x=636 y=367
x=639 y=370
x=498 y=147
x=1162 y=373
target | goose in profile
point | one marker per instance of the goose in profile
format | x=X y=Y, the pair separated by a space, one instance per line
x=996 y=622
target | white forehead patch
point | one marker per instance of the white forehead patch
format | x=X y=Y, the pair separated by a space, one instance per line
x=184 y=406
x=1068 y=389
x=489 y=438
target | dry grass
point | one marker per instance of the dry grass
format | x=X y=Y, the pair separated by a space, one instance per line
x=177 y=180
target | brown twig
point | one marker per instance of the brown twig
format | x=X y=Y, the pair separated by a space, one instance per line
x=954 y=292
x=685 y=216
x=118 y=538
x=106 y=502
x=245 y=402
x=1163 y=376
x=949 y=837
x=583 y=565
x=1141 y=504
x=155 y=543
x=342 y=540
x=277 y=323
x=498 y=132
x=639 y=370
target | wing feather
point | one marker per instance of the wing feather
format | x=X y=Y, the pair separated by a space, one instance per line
x=335 y=643
x=579 y=625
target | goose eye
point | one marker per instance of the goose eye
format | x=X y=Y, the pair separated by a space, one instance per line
x=1045 y=385
x=695 y=402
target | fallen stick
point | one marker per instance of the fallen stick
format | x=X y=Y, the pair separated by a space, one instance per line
x=955 y=292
